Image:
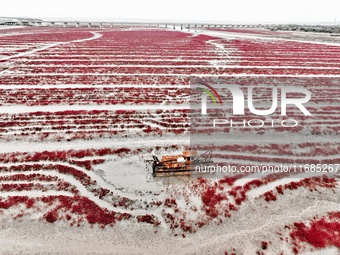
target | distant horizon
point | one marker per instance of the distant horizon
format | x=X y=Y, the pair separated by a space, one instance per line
x=217 y=11
x=127 y=20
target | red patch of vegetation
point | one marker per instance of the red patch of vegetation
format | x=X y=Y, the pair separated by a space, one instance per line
x=264 y=245
x=103 y=192
x=63 y=156
x=228 y=180
x=210 y=199
x=81 y=206
x=12 y=201
x=29 y=203
x=170 y=202
x=279 y=189
x=51 y=216
x=185 y=227
x=319 y=234
x=151 y=219
x=239 y=194
x=269 y=196
x=226 y=253
x=312 y=183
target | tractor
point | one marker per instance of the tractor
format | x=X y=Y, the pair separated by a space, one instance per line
x=182 y=164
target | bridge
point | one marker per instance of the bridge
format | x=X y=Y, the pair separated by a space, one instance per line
x=15 y=21
x=140 y=24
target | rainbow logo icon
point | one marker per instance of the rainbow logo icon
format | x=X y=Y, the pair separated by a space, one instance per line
x=211 y=92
